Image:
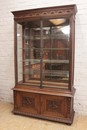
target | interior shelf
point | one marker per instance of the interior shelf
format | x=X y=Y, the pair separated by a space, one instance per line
x=32 y=61
x=45 y=49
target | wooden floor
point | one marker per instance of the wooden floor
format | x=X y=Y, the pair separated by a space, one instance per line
x=9 y=121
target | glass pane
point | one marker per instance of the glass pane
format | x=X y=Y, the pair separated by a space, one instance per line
x=56 y=46
x=19 y=53
x=30 y=51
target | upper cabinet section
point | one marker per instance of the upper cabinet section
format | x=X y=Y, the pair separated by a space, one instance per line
x=44 y=47
x=58 y=11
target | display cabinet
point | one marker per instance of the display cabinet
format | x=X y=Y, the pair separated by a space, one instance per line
x=44 y=44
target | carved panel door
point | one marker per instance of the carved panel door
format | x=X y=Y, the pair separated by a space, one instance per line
x=56 y=107
x=27 y=102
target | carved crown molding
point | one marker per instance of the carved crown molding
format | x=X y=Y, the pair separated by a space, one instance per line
x=45 y=12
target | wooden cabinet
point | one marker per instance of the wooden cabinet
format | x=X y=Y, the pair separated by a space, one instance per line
x=44 y=62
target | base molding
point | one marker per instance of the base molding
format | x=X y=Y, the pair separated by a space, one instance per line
x=65 y=121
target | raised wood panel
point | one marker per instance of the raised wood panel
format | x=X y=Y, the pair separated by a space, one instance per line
x=56 y=106
x=26 y=102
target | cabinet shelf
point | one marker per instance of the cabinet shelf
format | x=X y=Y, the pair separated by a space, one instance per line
x=45 y=49
x=52 y=36
x=33 y=61
x=48 y=72
x=46 y=84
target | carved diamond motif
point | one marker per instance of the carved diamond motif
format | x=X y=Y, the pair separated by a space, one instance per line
x=28 y=102
x=54 y=105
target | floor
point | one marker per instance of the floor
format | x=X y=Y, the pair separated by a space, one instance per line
x=9 y=121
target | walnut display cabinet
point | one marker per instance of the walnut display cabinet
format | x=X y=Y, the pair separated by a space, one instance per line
x=44 y=42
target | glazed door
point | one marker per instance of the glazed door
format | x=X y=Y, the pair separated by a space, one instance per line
x=56 y=53
x=28 y=56
x=44 y=53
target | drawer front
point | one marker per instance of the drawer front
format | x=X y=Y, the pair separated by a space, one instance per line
x=26 y=102
x=56 y=106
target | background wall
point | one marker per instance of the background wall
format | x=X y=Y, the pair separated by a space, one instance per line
x=7 y=47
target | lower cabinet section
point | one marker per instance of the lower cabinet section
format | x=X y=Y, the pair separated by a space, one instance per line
x=51 y=107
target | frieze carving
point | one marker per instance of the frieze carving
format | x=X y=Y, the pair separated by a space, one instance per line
x=28 y=102
x=68 y=107
x=45 y=12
